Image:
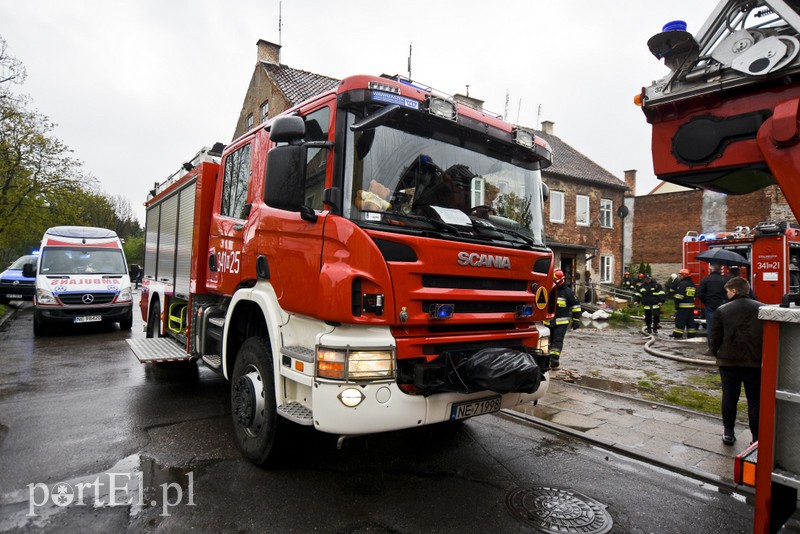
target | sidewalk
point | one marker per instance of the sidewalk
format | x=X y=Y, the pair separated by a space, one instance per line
x=677 y=438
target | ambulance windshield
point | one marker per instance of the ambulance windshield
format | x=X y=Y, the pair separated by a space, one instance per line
x=82 y=260
x=408 y=175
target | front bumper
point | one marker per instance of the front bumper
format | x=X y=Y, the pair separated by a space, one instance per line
x=386 y=407
x=67 y=314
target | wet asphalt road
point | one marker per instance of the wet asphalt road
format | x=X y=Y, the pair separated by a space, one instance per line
x=78 y=411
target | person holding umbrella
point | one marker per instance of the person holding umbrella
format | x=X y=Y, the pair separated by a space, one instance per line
x=712 y=294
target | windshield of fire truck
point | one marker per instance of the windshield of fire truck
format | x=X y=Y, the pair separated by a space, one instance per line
x=82 y=260
x=412 y=176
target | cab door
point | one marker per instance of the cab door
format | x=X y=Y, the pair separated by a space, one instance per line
x=229 y=219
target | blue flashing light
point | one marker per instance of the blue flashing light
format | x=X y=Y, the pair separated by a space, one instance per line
x=675 y=25
x=441 y=311
x=524 y=311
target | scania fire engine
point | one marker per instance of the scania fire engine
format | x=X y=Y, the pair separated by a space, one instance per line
x=372 y=259
x=772 y=251
x=725 y=118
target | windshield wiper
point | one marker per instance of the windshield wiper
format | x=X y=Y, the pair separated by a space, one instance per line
x=482 y=225
x=436 y=223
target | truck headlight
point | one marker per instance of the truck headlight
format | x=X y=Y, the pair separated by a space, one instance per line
x=355 y=364
x=43 y=296
x=124 y=295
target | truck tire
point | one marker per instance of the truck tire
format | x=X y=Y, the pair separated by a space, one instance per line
x=153 y=321
x=253 y=407
x=126 y=324
x=39 y=327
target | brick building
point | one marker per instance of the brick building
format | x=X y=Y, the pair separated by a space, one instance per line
x=660 y=221
x=275 y=88
x=583 y=216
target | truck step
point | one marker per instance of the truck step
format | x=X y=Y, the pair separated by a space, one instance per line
x=213 y=360
x=157 y=350
x=294 y=411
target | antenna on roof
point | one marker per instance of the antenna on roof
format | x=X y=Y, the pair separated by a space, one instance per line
x=519 y=108
x=280 y=22
x=505 y=114
x=409 y=61
x=538 y=115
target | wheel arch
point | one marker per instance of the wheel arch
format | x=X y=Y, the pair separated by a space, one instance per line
x=252 y=312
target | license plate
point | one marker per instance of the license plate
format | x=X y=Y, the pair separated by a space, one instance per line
x=88 y=319
x=13 y=296
x=462 y=410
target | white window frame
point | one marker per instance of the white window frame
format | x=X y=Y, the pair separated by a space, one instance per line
x=606 y=269
x=587 y=221
x=248 y=122
x=264 y=110
x=560 y=204
x=606 y=213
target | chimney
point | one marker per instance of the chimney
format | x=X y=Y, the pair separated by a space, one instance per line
x=547 y=127
x=269 y=52
x=630 y=181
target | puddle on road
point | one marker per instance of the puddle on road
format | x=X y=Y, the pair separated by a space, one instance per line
x=606 y=385
x=136 y=482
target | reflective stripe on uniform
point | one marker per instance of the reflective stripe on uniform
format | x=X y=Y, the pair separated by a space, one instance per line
x=563 y=320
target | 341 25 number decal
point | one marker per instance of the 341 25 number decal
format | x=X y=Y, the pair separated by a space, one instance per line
x=228 y=261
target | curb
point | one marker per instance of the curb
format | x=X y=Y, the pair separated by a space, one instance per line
x=10 y=311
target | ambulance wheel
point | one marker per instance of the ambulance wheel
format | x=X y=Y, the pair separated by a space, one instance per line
x=126 y=324
x=39 y=326
x=253 y=407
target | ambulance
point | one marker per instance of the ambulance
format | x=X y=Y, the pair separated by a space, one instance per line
x=81 y=277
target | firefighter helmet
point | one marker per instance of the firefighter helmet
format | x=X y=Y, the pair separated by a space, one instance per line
x=684 y=272
x=627 y=273
x=641 y=275
x=558 y=276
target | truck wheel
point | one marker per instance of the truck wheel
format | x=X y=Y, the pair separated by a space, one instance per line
x=153 y=321
x=39 y=326
x=253 y=408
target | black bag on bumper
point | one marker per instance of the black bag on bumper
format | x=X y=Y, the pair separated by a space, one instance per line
x=500 y=370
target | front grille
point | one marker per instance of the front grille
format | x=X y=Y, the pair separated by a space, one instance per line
x=468 y=282
x=80 y=299
x=11 y=285
x=476 y=306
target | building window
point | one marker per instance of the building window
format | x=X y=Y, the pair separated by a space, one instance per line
x=264 y=110
x=606 y=269
x=249 y=122
x=556 y=206
x=582 y=210
x=606 y=213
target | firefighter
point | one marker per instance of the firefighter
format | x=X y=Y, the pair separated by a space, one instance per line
x=627 y=283
x=684 y=306
x=651 y=295
x=639 y=281
x=566 y=306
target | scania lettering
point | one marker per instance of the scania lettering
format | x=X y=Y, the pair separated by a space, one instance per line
x=311 y=263
x=482 y=260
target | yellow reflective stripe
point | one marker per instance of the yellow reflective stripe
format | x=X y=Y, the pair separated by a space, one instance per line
x=561 y=321
x=576 y=308
x=684 y=305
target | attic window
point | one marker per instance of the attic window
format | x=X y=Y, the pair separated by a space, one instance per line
x=264 y=110
x=249 y=122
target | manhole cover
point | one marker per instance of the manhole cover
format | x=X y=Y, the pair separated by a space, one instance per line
x=556 y=510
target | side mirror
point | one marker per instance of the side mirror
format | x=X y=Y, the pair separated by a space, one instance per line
x=287 y=129
x=29 y=270
x=286 y=181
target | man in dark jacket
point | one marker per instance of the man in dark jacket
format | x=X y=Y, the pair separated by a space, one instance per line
x=684 y=306
x=712 y=294
x=651 y=295
x=568 y=312
x=736 y=339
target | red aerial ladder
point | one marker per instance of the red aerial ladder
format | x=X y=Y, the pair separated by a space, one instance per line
x=725 y=118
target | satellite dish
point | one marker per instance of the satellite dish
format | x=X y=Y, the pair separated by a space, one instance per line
x=622 y=211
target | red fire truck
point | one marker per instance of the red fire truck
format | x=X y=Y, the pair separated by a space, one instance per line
x=725 y=118
x=370 y=260
x=772 y=251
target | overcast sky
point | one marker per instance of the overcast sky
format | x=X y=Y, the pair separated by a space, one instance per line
x=136 y=87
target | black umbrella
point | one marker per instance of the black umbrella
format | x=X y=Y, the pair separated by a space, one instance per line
x=722 y=256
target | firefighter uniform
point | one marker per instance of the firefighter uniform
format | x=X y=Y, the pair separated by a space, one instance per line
x=684 y=307
x=627 y=283
x=651 y=295
x=568 y=312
